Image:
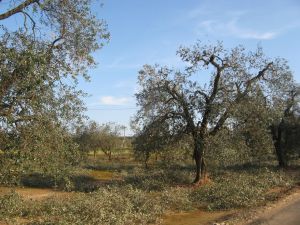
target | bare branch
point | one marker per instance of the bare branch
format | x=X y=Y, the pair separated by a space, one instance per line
x=182 y=102
x=55 y=41
x=213 y=62
x=17 y=9
x=259 y=75
x=220 y=123
x=31 y=19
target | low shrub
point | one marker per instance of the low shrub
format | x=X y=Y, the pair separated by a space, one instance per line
x=12 y=205
x=239 y=189
x=144 y=196
x=158 y=179
x=177 y=199
x=107 y=206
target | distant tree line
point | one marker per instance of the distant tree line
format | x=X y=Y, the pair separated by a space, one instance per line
x=108 y=138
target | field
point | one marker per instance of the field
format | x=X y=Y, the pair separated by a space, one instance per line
x=123 y=191
x=183 y=121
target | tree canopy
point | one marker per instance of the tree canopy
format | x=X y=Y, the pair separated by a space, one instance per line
x=42 y=57
x=52 y=45
x=175 y=102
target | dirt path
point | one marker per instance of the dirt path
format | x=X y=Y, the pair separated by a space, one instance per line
x=33 y=193
x=284 y=212
x=194 y=217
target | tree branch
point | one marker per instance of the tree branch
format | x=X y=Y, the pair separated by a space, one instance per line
x=258 y=76
x=180 y=99
x=211 y=98
x=17 y=9
x=220 y=123
x=31 y=19
x=201 y=93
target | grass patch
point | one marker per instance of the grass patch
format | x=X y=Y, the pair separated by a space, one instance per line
x=143 y=195
x=101 y=175
x=106 y=206
x=240 y=189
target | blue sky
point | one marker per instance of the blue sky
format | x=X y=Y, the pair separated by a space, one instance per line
x=150 y=31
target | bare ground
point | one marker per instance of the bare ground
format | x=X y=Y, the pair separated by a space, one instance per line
x=284 y=212
x=197 y=217
x=33 y=193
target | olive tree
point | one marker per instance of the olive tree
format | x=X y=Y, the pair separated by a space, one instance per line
x=285 y=129
x=95 y=137
x=175 y=102
x=41 y=60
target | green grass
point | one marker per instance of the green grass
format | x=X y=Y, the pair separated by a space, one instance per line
x=142 y=196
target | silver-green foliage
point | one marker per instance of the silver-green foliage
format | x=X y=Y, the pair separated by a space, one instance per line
x=41 y=60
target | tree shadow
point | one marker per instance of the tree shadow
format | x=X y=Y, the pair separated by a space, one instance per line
x=37 y=180
x=250 y=167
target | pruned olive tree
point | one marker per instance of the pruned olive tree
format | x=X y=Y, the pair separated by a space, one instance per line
x=173 y=102
x=41 y=58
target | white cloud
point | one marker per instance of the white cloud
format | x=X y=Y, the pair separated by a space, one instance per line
x=256 y=35
x=248 y=33
x=111 y=100
x=220 y=22
x=230 y=28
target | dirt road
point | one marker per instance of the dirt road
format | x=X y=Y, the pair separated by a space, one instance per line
x=285 y=212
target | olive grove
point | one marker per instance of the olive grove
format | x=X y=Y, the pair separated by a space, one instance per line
x=174 y=103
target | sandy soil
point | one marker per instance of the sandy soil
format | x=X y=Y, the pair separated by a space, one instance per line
x=33 y=193
x=195 y=217
x=284 y=212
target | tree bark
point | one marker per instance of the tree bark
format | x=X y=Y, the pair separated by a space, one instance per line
x=279 y=149
x=199 y=161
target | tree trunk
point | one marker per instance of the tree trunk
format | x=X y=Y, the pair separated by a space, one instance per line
x=199 y=160
x=282 y=162
x=279 y=149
